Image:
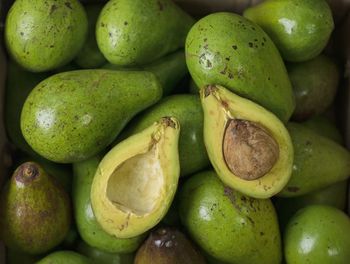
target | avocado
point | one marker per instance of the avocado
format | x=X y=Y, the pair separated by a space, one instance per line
x=65 y=257
x=90 y=56
x=228 y=50
x=248 y=146
x=89 y=229
x=44 y=35
x=35 y=211
x=102 y=257
x=169 y=70
x=318 y=162
x=299 y=28
x=187 y=109
x=168 y=246
x=318 y=234
x=315 y=83
x=19 y=84
x=72 y=116
x=139 y=32
x=227 y=225
x=136 y=181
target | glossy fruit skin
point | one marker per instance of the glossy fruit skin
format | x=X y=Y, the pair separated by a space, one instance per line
x=187 y=109
x=18 y=86
x=102 y=257
x=89 y=56
x=315 y=84
x=170 y=246
x=228 y=50
x=44 y=207
x=72 y=116
x=65 y=257
x=318 y=234
x=88 y=227
x=227 y=225
x=318 y=162
x=299 y=28
x=140 y=31
x=44 y=35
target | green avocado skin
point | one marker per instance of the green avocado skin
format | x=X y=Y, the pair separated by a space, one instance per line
x=90 y=56
x=318 y=162
x=65 y=257
x=88 y=227
x=227 y=225
x=169 y=69
x=140 y=31
x=315 y=84
x=318 y=234
x=187 y=109
x=19 y=84
x=102 y=257
x=229 y=50
x=35 y=211
x=43 y=35
x=299 y=28
x=72 y=116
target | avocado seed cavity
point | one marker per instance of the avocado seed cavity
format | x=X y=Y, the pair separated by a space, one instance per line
x=136 y=185
x=249 y=150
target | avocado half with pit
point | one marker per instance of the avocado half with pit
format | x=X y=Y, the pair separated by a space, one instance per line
x=136 y=181
x=248 y=146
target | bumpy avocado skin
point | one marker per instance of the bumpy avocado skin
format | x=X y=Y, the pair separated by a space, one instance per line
x=299 y=28
x=169 y=69
x=227 y=225
x=44 y=207
x=72 y=116
x=90 y=56
x=18 y=86
x=187 y=109
x=65 y=257
x=229 y=50
x=87 y=225
x=318 y=162
x=140 y=31
x=102 y=257
x=318 y=234
x=315 y=84
x=44 y=35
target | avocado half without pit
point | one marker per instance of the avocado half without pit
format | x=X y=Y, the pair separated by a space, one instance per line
x=248 y=146
x=136 y=181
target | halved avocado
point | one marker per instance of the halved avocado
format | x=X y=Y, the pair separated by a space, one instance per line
x=136 y=181
x=248 y=146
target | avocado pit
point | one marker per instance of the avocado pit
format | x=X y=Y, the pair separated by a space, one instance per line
x=249 y=150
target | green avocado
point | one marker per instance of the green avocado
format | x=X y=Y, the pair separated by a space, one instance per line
x=299 y=28
x=35 y=211
x=43 y=35
x=227 y=225
x=187 y=109
x=229 y=50
x=169 y=69
x=318 y=234
x=65 y=257
x=102 y=257
x=141 y=31
x=315 y=83
x=318 y=162
x=90 y=56
x=19 y=84
x=72 y=116
x=88 y=227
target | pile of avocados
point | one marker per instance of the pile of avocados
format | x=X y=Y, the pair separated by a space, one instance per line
x=143 y=135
